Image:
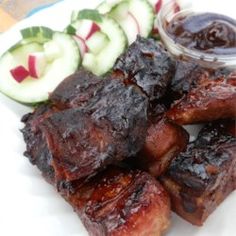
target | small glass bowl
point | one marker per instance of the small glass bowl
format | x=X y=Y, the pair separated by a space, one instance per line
x=166 y=14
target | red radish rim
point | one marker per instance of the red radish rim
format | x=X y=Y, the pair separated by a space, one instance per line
x=135 y=20
x=32 y=66
x=19 y=73
x=158 y=6
x=95 y=28
x=83 y=44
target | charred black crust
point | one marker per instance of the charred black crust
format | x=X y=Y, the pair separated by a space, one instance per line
x=112 y=112
x=148 y=65
x=76 y=90
x=188 y=75
x=200 y=165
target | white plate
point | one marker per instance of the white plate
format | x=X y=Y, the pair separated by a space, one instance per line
x=31 y=207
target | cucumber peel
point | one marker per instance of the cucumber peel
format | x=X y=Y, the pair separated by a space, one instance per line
x=63 y=59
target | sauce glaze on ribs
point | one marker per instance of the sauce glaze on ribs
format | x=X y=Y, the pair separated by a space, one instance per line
x=210 y=100
x=199 y=179
x=119 y=202
x=164 y=141
x=188 y=75
x=148 y=65
x=78 y=142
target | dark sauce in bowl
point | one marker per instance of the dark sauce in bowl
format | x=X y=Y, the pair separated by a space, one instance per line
x=207 y=32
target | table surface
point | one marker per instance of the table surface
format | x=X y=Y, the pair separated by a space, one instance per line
x=12 y=11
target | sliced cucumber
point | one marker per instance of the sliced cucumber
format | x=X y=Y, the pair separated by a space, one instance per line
x=106 y=41
x=102 y=62
x=135 y=17
x=36 y=90
x=144 y=13
x=35 y=34
x=126 y=20
x=74 y=15
x=96 y=43
x=107 y=5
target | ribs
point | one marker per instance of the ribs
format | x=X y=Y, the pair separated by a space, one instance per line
x=164 y=141
x=115 y=202
x=119 y=202
x=199 y=179
x=210 y=100
x=76 y=90
x=80 y=138
x=148 y=65
x=188 y=75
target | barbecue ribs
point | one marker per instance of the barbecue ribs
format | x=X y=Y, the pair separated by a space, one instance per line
x=210 y=100
x=119 y=202
x=164 y=141
x=86 y=136
x=148 y=65
x=189 y=74
x=199 y=179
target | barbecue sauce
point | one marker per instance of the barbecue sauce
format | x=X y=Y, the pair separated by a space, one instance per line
x=206 y=32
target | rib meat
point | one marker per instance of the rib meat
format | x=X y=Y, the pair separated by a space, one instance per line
x=78 y=89
x=122 y=202
x=189 y=74
x=148 y=65
x=210 y=100
x=80 y=141
x=164 y=141
x=199 y=179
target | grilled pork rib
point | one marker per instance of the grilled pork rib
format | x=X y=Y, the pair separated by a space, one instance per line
x=79 y=141
x=76 y=90
x=210 y=100
x=199 y=179
x=189 y=74
x=148 y=65
x=120 y=202
x=164 y=141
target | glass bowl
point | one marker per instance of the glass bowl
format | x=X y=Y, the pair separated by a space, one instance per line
x=167 y=13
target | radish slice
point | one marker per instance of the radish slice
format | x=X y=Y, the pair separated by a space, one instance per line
x=82 y=44
x=136 y=17
x=83 y=28
x=158 y=6
x=131 y=27
x=136 y=22
x=37 y=64
x=94 y=28
x=19 y=73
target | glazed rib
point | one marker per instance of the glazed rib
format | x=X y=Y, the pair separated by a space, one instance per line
x=199 y=179
x=80 y=141
x=121 y=202
x=147 y=65
x=78 y=89
x=210 y=100
x=189 y=74
x=164 y=141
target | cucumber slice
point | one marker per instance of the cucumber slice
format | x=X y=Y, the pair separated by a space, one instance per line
x=37 y=90
x=135 y=17
x=144 y=14
x=106 y=42
x=74 y=15
x=35 y=34
x=96 y=43
x=103 y=61
x=126 y=20
x=107 y=5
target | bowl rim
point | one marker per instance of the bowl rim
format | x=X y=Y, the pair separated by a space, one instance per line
x=217 y=59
